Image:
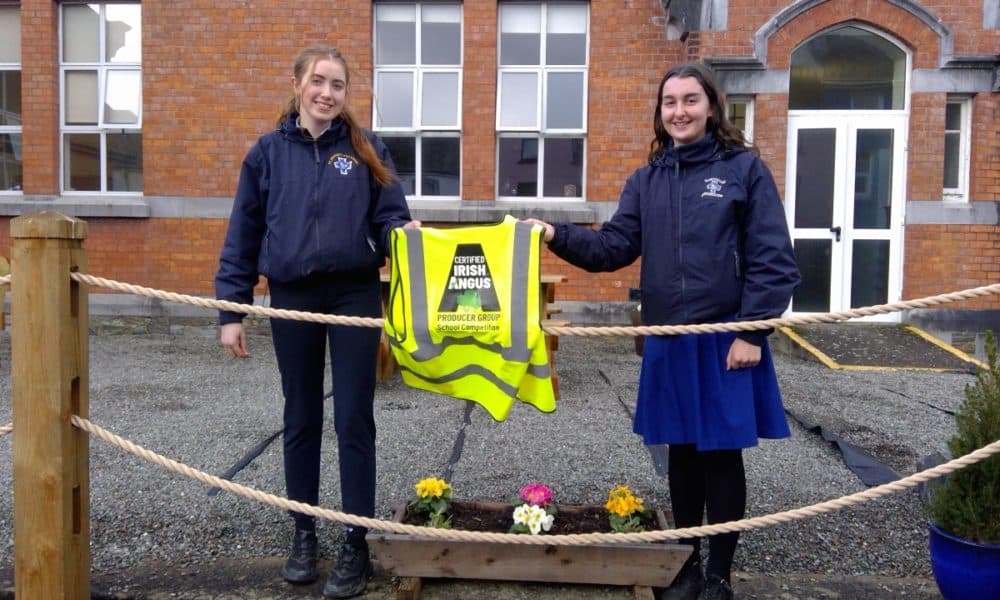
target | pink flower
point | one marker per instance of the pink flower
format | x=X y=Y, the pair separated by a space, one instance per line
x=536 y=494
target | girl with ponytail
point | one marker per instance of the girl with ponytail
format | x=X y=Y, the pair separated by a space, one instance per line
x=314 y=206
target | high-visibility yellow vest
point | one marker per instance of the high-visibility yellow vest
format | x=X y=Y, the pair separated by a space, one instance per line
x=463 y=315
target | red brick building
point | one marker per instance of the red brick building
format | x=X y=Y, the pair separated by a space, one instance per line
x=879 y=119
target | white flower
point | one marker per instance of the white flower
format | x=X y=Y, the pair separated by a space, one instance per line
x=534 y=517
x=547 y=522
x=521 y=514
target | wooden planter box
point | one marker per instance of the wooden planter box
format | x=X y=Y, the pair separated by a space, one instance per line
x=627 y=564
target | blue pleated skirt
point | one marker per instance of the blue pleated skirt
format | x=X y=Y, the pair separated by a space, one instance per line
x=686 y=395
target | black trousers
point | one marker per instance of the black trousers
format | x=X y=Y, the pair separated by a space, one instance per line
x=300 y=348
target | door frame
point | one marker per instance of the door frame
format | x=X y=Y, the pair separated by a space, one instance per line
x=847 y=123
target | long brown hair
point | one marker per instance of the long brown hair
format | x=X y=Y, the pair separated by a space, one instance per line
x=305 y=64
x=725 y=132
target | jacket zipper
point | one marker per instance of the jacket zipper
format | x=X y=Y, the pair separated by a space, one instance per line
x=680 y=232
x=736 y=257
x=315 y=198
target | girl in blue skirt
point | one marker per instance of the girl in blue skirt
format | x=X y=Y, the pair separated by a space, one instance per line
x=705 y=215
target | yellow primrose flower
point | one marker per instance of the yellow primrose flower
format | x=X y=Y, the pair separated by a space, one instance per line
x=432 y=487
x=622 y=503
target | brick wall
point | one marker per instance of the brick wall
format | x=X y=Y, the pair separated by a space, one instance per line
x=948 y=258
x=479 y=86
x=40 y=96
x=925 y=179
x=628 y=56
x=176 y=255
x=984 y=181
x=771 y=133
x=204 y=107
x=591 y=287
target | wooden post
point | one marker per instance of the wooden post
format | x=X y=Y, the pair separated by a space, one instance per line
x=4 y=270
x=49 y=354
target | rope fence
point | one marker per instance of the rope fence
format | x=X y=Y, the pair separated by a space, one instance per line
x=555 y=540
x=263 y=311
x=834 y=317
x=573 y=539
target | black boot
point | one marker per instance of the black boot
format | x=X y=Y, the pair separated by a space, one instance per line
x=688 y=583
x=301 y=564
x=349 y=576
x=716 y=588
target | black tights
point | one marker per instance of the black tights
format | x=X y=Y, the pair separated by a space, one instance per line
x=714 y=480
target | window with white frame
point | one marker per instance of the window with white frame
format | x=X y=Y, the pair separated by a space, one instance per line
x=418 y=83
x=739 y=111
x=10 y=100
x=101 y=84
x=542 y=99
x=957 y=123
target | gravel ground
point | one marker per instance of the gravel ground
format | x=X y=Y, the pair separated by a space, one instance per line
x=170 y=388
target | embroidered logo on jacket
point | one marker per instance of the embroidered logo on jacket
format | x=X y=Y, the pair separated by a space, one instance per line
x=713 y=185
x=342 y=162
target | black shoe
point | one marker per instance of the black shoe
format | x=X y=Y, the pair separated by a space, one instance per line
x=350 y=574
x=301 y=564
x=716 y=588
x=688 y=583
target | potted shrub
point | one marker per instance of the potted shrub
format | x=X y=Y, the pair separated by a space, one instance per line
x=965 y=505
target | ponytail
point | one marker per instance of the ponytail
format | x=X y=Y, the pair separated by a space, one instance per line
x=363 y=146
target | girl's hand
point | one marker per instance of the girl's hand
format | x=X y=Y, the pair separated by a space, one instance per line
x=742 y=354
x=550 y=231
x=234 y=340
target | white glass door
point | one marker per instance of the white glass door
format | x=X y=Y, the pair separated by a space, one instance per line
x=844 y=203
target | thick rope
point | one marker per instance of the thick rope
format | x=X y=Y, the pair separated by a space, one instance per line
x=570 y=331
x=554 y=540
x=225 y=304
x=6 y=429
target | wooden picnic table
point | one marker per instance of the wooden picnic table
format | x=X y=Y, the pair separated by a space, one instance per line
x=386 y=365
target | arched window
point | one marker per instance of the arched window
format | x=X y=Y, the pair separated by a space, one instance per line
x=847 y=68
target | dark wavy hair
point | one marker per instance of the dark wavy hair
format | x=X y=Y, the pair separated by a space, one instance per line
x=305 y=64
x=725 y=132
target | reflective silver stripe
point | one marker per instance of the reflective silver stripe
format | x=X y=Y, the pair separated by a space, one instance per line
x=465 y=371
x=426 y=349
x=539 y=371
x=519 y=290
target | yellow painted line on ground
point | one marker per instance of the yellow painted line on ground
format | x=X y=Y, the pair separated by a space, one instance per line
x=828 y=362
x=877 y=368
x=946 y=347
x=819 y=354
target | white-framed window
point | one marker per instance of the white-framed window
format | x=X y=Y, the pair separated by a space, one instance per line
x=11 y=175
x=542 y=99
x=739 y=111
x=418 y=94
x=100 y=68
x=957 y=126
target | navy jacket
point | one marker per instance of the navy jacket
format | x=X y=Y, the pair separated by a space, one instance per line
x=711 y=230
x=306 y=206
